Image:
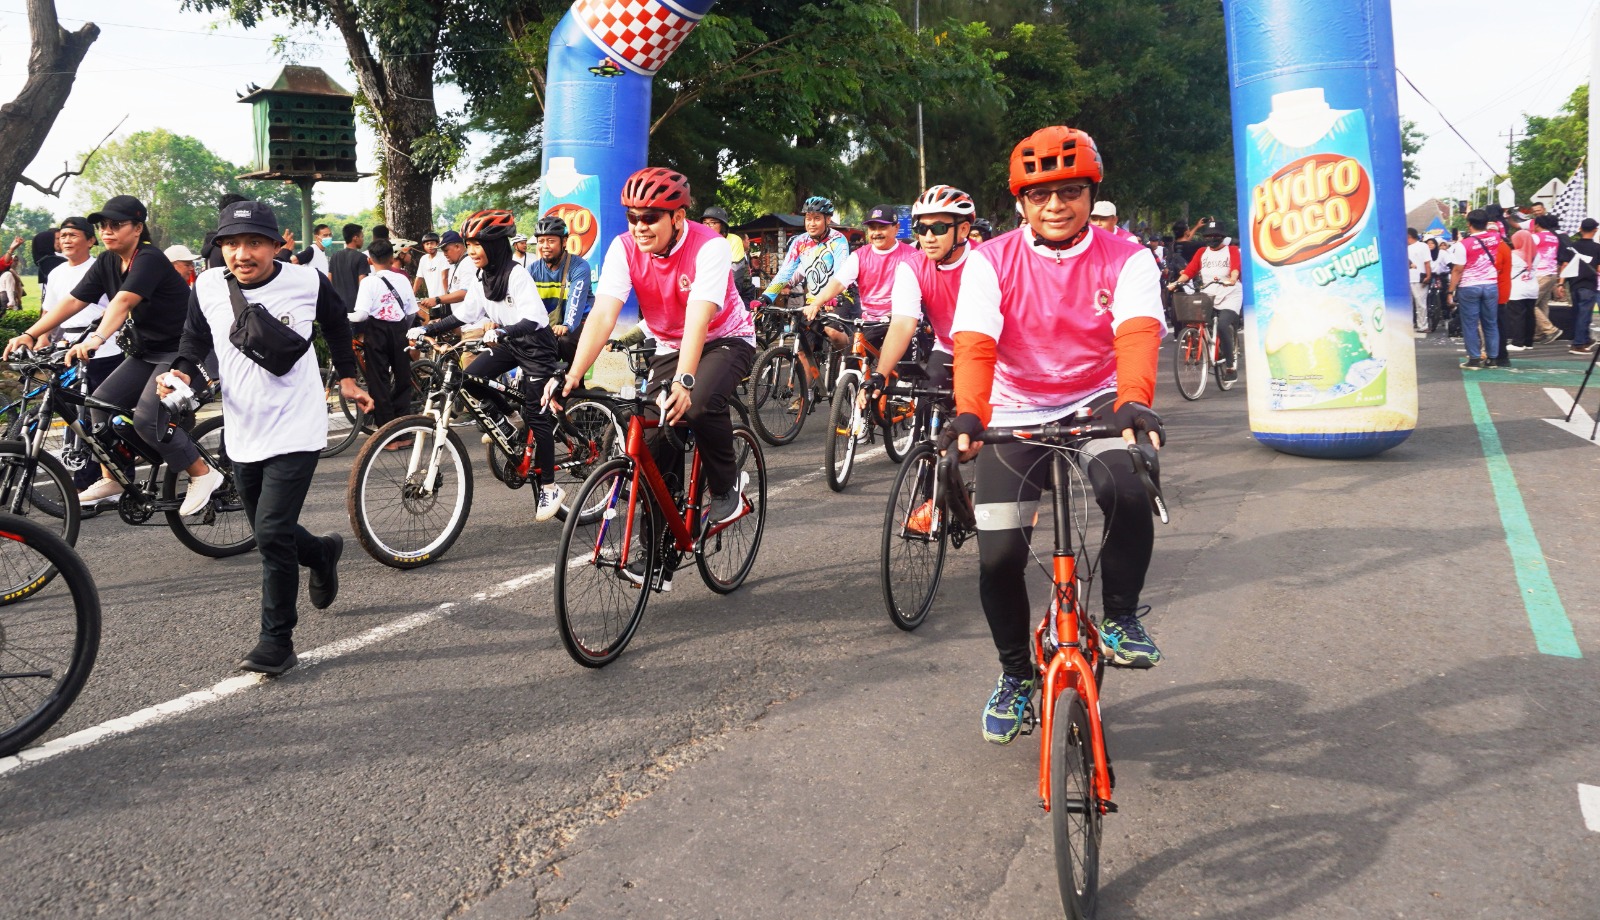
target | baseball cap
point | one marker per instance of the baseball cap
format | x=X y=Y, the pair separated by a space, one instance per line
x=244 y=217
x=1103 y=208
x=120 y=207
x=80 y=224
x=1588 y=224
x=179 y=253
x=1211 y=228
x=881 y=214
x=450 y=236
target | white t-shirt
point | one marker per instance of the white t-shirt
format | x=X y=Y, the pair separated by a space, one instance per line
x=63 y=278
x=268 y=415
x=1524 y=283
x=458 y=275
x=522 y=302
x=319 y=259
x=1451 y=255
x=432 y=270
x=1418 y=256
x=375 y=300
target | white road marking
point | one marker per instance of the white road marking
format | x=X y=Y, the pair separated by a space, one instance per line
x=189 y=702
x=1581 y=425
x=1589 y=802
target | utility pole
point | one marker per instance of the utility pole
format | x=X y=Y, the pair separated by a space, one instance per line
x=1511 y=141
x=922 y=160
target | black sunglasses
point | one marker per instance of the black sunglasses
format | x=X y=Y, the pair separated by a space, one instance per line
x=938 y=229
x=646 y=217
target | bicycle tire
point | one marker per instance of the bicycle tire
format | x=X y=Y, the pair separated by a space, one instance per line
x=726 y=558
x=222 y=528
x=1189 y=360
x=24 y=635
x=1217 y=367
x=899 y=427
x=912 y=565
x=342 y=431
x=596 y=420
x=1074 y=808
x=51 y=492
x=588 y=572
x=845 y=427
x=780 y=395
x=382 y=488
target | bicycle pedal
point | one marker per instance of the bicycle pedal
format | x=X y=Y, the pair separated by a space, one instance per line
x=1109 y=807
x=1030 y=719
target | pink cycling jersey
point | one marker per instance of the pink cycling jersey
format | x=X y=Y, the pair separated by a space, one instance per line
x=662 y=286
x=875 y=277
x=1477 y=251
x=938 y=287
x=1545 y=262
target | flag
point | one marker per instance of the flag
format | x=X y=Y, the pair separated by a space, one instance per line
x=1570 y=204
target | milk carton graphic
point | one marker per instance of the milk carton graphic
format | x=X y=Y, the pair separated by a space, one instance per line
x=1319 y=318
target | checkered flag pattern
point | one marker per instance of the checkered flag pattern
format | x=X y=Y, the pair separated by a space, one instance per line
x=639 y=34
x=1570 y=203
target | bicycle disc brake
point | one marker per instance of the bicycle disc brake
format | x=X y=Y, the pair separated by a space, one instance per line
x=75 y=457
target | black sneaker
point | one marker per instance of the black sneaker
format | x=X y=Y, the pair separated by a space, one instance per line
x=1502 y=362
x=325 y=581
x=725 y=507
x=1472 y=364
x=269 y=658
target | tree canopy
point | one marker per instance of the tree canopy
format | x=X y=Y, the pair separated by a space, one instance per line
x=1553 y=145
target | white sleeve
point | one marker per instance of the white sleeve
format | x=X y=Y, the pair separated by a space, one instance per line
x=713 y=266
x=614 y=280
x=1138 y=292
x=408 y=297
x=905 y=295
x=849 y=272
x=978 y=302
x=525 y=300
x=363 y=305
x=474 y=309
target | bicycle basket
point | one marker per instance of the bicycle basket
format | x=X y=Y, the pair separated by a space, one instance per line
x=1191 y=308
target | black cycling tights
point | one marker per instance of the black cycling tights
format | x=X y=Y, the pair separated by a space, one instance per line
x=1011 y=478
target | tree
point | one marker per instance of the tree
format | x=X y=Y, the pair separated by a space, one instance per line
x=26 y=120
x=179 y=180
x=1552 y=146
x=1411 y=141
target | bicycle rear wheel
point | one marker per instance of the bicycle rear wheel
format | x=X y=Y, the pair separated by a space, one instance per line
x=1189 y=360
x=780 y=395
x=899 y=426
x=342 y=428
x=1219 y=366
x=726 y=558
x=399 y=519
x=847 y=427
x=49 y=491
x=914 y=541
x=220 y=529
x=49 y=636
x=598 y=607
x=1074 y=808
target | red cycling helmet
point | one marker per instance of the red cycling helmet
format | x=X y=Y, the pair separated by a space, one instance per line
x=490 y=224
x=656 y=187
x=1056 y=152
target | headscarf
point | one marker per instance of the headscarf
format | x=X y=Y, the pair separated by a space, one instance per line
x=497 y=274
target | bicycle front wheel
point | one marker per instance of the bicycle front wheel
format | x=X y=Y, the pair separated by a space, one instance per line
x=1074 y=808
x=47 y=495
x=599 y=603
x=899 y=426
x=220 y=529
x=847 y=427
x=726 y=557
x=1189 y=360
x=780 y=395
x=343 y=429
x=404 y=516
x=914 y=541
x=48 y=637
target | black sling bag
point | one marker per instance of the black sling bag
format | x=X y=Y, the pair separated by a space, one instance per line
x=262 y=337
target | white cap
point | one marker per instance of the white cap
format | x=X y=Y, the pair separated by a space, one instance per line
x=1103 y=208
x=180 y=253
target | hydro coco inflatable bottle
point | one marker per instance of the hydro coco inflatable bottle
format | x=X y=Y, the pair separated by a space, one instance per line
x=1330 y=358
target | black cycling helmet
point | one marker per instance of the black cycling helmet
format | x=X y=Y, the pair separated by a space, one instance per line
x=984 y=228
x=550 y=225
x=718 y=214
x=817 y=204
x=430 y=237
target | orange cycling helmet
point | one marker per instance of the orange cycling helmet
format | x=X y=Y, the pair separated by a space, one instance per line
x=656 y=187
x=1056 y=152
x=490 y=224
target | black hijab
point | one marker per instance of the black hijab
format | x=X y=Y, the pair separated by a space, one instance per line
x=497 y=274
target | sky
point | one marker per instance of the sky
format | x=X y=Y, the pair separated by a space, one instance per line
x=165 y=68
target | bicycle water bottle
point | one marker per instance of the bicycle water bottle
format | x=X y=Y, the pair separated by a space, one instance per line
x=1330 y=357
x=110 y=435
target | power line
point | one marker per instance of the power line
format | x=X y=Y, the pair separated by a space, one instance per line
x=1493 y=171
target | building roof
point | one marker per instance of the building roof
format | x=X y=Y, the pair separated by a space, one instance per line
x=299 y=80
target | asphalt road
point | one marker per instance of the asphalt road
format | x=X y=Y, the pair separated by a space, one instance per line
x=1353 y=719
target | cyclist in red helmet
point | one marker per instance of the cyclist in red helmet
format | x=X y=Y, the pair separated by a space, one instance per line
x=1054 y=316
x=681 y=271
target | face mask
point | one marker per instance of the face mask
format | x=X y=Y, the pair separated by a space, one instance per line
x=327 y=243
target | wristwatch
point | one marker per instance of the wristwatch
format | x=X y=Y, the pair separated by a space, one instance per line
x=684 y=380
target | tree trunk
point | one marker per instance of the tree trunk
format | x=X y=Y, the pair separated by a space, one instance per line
x=52 y=68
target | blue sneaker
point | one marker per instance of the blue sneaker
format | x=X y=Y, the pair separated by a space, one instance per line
x=1003 y=717
x=1122 y=637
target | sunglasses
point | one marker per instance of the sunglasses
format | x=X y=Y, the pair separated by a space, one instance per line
x=938 y=229
x=645 y=217
x=112 y=225
x=1039 y=197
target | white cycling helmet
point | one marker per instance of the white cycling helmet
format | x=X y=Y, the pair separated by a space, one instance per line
x=944 y=199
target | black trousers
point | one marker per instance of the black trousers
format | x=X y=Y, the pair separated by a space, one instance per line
x=131 y=385
x=723 y=363
x=1229 y=322
x=388 y=368
x=1516 y=323
x=536 y=369
x=99 y=370
x=273 y=491
x=1011 y=478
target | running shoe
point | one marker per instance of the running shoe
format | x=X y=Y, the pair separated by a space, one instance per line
x=635 y=573
x=550 y=497
x=200 y=489
x=725 y=507
x=1005 y=715
x=1472 y=364
x=103 y=490
x=1123 y=638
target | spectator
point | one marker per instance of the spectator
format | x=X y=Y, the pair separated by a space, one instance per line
x=519 y=250
x=431 y=266
x=317 y=253
x=380 y=232
x=1475 y=285
x=1586 y=251
x=46 y=256
x=348 y=266
x=383 y=311
x=1104 y=216
x=183 y=260
x=457 y=276
x=565 y=283
x=12 y=290
x=1421 y=273
x=277 y=424
x=1524 y=291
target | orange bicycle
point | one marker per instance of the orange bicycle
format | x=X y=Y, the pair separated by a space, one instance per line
x=1075 y=775
x=852 y=424
x=635 y=522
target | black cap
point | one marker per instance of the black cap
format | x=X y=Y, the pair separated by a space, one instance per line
x=1211 y=228
x=121 y=207
x=80 y=224
x=881 y=214
x=244 y=217
x=1588 y=224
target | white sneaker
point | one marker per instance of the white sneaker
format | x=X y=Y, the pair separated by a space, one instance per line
x=200 y=489
x=1519 y=348
x=103 y=490
x=549 y=502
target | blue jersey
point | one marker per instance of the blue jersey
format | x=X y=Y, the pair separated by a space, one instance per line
x=568 y=301
x=811 y=264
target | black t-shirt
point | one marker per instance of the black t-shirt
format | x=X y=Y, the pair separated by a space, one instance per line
x=46 y=264
x=346 y=268
x=1586 y=270
x=164 y=295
